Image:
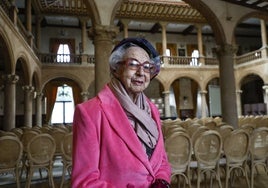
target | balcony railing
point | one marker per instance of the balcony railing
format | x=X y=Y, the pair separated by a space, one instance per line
x=190 y=61
x=58 y=59
x=251 y=56
x=85 y=59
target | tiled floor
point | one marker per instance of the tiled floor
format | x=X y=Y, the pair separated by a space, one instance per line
x=8 y=181
x=260 y=181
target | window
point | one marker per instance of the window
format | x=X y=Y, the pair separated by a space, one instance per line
x=64 y=106
x=63 y=54
x=195 y=56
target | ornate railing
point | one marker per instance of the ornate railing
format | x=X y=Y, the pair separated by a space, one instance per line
x=66 y=59
x=191 y=61
x=251 y=56
x=48 y=58
x=177 y=60
x=211 y=61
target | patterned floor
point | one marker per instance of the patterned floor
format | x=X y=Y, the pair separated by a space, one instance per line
x=7 y=181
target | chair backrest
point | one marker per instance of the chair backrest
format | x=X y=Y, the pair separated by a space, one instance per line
x=45 y=128
x=225 y=130
x=11 y=152
x=172 y=130
x=179 y=150
x=259 y=143
x=236 y=146
x=17 y=131
x=41 y=149
x=26 y=137
x=67 y=146
x=198 y=132
x=7 y=133
x=58 y=135
x=207 y=148
x=211 y=124
x=249 y=127
x=192 y=128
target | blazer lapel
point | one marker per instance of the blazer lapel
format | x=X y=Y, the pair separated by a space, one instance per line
x=119 y=122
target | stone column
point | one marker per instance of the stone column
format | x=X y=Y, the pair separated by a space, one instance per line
x=263 y=33
x=238 y=102
x=164 y=37
x=85 y=95
x=164 y=43
x=10 y=81
x=28 y=105
x=203 y=103
x=228 y=91
x=29 y=21
x=125 y=27
x=29 y=15
x=102 y=39
x=167 y=103
x=38 y=31
x=264 y=38
x=38 y=109
x=265 y=88
x=83 y=34
x=200 y=44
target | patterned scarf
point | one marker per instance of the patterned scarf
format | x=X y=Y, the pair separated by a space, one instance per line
x=139 y=115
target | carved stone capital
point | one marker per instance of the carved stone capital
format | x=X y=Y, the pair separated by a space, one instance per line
x=227 y=49
x=204 y=92
x=103 y=32
x=28 y=88
x=10 y=78
x=85 y=93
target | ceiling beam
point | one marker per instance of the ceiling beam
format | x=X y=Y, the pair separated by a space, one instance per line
x=155 y=29
x=255 y=5
x=188 y=30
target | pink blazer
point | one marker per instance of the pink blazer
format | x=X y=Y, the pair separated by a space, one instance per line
x=106 y=151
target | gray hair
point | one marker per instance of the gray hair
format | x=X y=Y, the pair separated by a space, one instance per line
x=118 y=55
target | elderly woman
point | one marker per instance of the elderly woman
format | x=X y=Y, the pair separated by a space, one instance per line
x=117 y=139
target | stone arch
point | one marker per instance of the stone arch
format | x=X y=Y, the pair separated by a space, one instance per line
x=246 y=73
x=210 y=78
x=97 y=18
x=6 y=54
x=219 y=34
x=155 y=89
x=36 y=81
x=193 y=77
x=50 y=91
x=63 y=75
x=186 y=98
x=252 y=96
x=23 y=69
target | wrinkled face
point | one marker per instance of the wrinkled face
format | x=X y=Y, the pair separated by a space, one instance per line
x=134 y=78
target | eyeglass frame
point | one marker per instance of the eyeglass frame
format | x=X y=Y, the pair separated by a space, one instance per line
x=137 y=66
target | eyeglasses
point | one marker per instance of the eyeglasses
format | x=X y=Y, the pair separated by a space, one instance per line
x=134 y=64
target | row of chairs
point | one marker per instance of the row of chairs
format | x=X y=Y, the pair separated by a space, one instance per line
x=206 y=151
x=258 y=121
x=34 y=149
